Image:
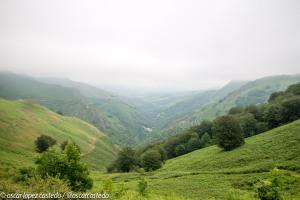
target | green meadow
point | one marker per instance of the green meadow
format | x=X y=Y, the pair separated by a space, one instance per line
x=211 y=173
x=22 y=121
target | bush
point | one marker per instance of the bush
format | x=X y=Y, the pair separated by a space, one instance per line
x=35 y=185
x=25 y=174
x=142 y=187
x=151 y=160
x=65 y=165
x=229 y=133
x=269 y=190
x=43 y=142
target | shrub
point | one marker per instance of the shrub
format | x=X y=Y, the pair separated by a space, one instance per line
x=65 y=165
x=229 y=133
x=35 y=185
x=43 y=142
x=269 y=190
x=142 y=187
x=25 y=173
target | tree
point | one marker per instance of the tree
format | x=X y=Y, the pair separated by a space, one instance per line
x=151 y=160
x=261 y=127
x=193 y=144
x=272 y=115
x=64 y=144
x=257 y=111
x=204 y=127
x=43 y=142
x=229 y=133
x=126 y=160
x=236 y=110
x=248 y=124
x=65 y=165
x=274 y=96
x=205 y=140
x=294 y=89
x=163 y=153
x=180 y=150
x=290 y=109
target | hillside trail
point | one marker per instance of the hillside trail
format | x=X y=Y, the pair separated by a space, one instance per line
x=93 y=146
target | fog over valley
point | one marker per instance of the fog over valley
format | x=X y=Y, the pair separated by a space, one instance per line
x=153 y=45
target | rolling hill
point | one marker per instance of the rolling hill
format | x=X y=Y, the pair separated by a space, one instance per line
x=120 y=121
x=211 y=173
x=22 y=121
x=253 y=92
x=120 y=112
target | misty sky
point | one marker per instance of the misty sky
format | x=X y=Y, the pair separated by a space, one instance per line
x=153 y=44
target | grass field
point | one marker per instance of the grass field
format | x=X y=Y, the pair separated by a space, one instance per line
x=211 y=173
x=21 y=122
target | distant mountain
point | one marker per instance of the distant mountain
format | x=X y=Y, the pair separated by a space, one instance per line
x=22 y=121
x=162 y=110
x=132 y=120
x=199 y=100
x=119 y=120
x=253 y=92
x=122 y=112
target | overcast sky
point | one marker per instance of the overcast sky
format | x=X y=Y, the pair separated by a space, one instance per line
x=156 y=44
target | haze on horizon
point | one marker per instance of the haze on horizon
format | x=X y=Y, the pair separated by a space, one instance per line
x=159 y=44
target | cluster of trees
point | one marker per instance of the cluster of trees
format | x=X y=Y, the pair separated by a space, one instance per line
x=128 y=160
x=62 y=163
x=227 y=131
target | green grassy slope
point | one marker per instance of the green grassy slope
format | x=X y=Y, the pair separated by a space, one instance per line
x=21 y=122
x=124 y=117
x=211 y=173
x=254 y=92
x=120 y=121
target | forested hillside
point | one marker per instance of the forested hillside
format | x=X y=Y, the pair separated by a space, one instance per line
x=254 y=92
x=133 y=120
x=119 y=120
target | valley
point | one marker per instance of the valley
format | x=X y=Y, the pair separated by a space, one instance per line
x=103 y=124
